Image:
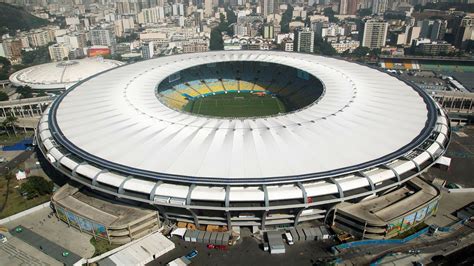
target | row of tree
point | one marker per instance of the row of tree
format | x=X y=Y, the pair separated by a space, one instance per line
x=226 y=24
x=36 y=186
x=10 y=123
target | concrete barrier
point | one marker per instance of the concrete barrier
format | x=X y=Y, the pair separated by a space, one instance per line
x=24 y=213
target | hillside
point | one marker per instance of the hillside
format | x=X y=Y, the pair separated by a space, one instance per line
x=14 y=18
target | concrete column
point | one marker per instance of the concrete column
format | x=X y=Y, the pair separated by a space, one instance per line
x=196 y=220
x=264 y=219
x=229 y=220
x=297 y=217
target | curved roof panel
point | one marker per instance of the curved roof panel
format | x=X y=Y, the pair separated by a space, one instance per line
x=61 y=75
x=365 y=118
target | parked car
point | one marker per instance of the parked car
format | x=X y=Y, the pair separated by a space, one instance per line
x=3 y=238
x=219 y=247
x=191 y=254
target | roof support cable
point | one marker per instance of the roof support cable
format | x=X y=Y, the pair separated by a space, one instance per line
x=265 y=196
x=339 y=188
x=394 y=172
x=371 y=183
x=188 y=196
x=303 y=190
x=153 y=191
x=94 y=179
x=227 y=194
x=120 y=189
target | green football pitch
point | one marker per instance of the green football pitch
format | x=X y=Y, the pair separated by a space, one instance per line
x=235 y=104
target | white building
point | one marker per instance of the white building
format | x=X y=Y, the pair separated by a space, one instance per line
x=151 y=15
x=375 y=34
x=58 y=52
x=148 y=50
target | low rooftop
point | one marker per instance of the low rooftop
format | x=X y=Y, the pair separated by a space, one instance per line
x=385 y=208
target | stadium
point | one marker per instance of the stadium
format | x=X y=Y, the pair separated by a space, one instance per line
x=245 y=138
x=61 y=75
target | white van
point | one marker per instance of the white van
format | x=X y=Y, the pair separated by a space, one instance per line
x=289 y=238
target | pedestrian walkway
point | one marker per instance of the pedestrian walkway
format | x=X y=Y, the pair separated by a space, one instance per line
x=46 y=246
x=20 y=255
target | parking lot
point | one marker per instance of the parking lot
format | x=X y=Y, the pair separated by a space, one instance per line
x=461 y=151
x=249 y=252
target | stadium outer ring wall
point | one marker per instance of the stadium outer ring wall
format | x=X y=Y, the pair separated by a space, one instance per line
x=265 y=206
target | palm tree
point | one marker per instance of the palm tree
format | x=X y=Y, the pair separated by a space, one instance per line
x=10 y=122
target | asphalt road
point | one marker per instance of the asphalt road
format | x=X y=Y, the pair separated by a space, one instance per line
x=249 y=252
x=5 y=168
x=443 y=244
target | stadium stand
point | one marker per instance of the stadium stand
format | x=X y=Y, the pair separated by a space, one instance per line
x=278 y=80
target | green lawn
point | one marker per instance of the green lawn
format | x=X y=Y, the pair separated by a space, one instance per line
x=101 y=246
x=12 y=139
x=15 y=202
x=236 y=105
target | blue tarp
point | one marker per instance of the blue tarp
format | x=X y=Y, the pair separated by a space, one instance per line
x=19 y=146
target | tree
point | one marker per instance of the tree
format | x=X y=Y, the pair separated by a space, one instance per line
x=286 y=19
x=36 y=186
x=327 y=49
x=231 y=19
x=25 y=92
x=361 y=52
x=364 y=12
x=5 y=65
x=323 y=47
x=10 y=122
x=3 y=96
x=328 y=12
x=470 y=46
x=35 y=57
x=216 y=42
x=14 y=18
x=41 y=94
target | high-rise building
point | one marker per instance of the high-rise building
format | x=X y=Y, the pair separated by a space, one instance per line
x=41 y=37
x=208 y=8
x=12 y=48
x=268 y=7
x=105 y=37
x=375 y=34
x=433 y=29
x=412 y=34
x=177 y=10
x=465 y=32
x=148 y=50
x=151 y=15
x=304 y=40
x=268 y=32
x=124 y=24
x=58 y=52
x=379 y=6
x=348 y=7
x=127 y=7
x=73 y=40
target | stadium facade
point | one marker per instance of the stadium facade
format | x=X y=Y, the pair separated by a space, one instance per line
x=125 y=133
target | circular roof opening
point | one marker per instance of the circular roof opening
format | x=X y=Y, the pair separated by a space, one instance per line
x=67 y=63
x=239 y=89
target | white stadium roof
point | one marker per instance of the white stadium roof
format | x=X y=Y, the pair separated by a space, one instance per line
x=61 y=75
x=363 y=118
